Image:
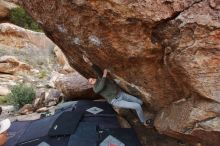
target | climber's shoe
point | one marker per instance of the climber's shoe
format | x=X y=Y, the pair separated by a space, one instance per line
x=149 y=123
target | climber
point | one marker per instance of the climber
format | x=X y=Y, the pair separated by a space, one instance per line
x=107 y=88
x=4 y=126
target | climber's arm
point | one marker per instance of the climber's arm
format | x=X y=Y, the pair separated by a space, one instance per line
x=95 y=68
x=102 y=82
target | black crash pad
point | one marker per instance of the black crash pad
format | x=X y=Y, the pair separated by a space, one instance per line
x=65 y=124
x=86 y=134
x=102 y=121
x=46 y=141
x=38 y=128
x=16 y=130
x=84 y=105
x=125 y=135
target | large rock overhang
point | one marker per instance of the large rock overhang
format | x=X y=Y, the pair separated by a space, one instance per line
x=164 y=51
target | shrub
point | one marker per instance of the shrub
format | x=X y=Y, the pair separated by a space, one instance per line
x=42 y=74
x=19 y=17
x=4 y=100
x=21 y=94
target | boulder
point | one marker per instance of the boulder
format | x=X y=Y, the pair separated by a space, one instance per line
x=61 y=58
x=7 y=80
x=8 y=108
x=39 y=100
x=26 y=109
x=18 y=37
x=43 y=109
x=163 y=51
x=5 y=8
x=123 y=122
x=11 y=65
x=74 y=86
x=191 y=120
x=4 y=91
x=51 y=103
x=52 y=97
x=53 y=77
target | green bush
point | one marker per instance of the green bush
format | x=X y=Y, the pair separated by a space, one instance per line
x=21 y=94
x=42 y=74
x=4 y=100
x=19 y=17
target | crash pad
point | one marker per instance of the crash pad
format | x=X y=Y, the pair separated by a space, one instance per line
x=126 y=136
x=16 y=130
x=65 y=124
x=46 y=141
x=86 y=134
x=95 y=108
x=102 y=121
x=38 y=128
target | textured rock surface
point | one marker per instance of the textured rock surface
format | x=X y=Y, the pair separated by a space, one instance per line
x=164 y=51
x=74 y=86
x=30 y=47
x=4 y=91
x=15 y=36
x=38 y=102
x=62 y=60
x=26 y=109
x=11 y=65
x=191 y=119
x=52 y=96
x=5 y=7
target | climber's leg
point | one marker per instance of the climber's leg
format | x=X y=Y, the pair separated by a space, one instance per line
x=130 y=98
x=130 y=105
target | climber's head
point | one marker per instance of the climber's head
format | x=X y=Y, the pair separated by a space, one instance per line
x=92 y=81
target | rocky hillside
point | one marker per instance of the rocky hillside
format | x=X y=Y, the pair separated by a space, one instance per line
x=165 y=51
x=25 y=54
x=28 y=57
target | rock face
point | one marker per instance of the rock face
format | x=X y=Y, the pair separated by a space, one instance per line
x=26 y=109
x=15 y=36
x=165 y=51
x=191 y=119
x=62 y=60
x=74 y=86
x=10 y=65
x=4 y=91
x=26 y=47
x=5 y=7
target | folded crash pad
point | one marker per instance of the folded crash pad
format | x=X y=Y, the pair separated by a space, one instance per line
x=16 y=130
x=119 y=137
x=95 y=108
x=66 y=106
x=65 y=124
x=102 y=121
x=46 y=141
x=38 y=128
x=86 y=134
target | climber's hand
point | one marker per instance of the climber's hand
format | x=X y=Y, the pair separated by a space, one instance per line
x=105 y=72
x=86 y=59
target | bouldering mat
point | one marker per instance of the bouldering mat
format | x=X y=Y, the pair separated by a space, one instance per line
x=15 y=132
x=46 y=141
x=65 y=124
x=86 y=134
x=126 y=136
x=102 y=121
x=95 y=108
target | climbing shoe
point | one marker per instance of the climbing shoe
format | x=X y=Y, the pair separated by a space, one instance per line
x=149 y=123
